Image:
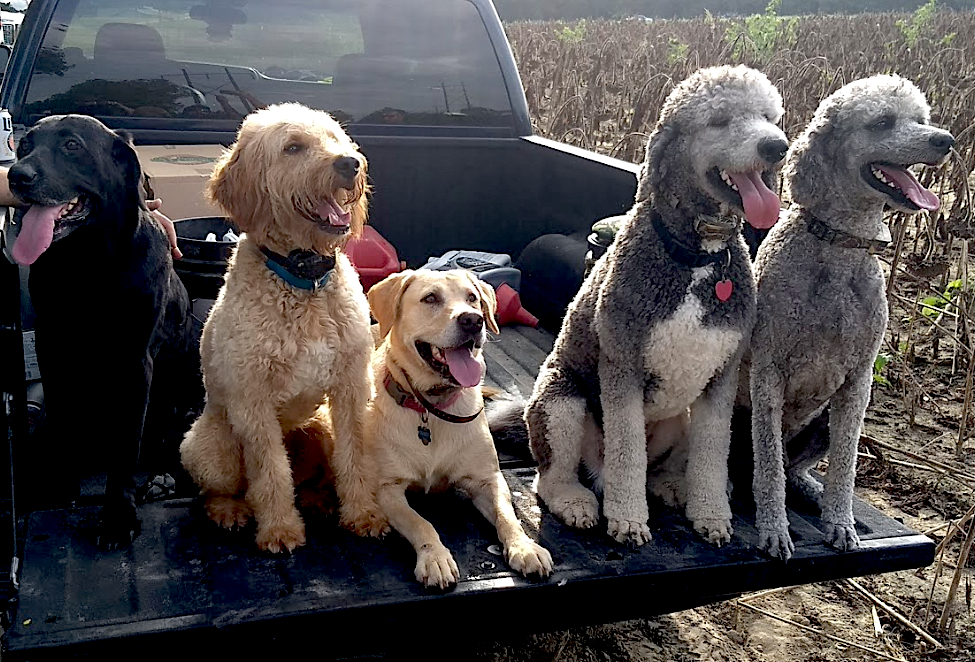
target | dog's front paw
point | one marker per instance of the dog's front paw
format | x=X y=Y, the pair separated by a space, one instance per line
x=576 y=506
x=435 y=566
x=117 y=527
x=716 y=531
x=629 y=532
x=228 y=512
x=366 y=523
x=277 y=538
x=529 y=558
x=776 y=542
x=841 y=536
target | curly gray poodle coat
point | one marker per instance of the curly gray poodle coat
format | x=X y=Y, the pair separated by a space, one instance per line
x=822 y=307
x=649 y=350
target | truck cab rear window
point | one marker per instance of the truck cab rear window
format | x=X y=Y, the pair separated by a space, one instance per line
x=410 y=62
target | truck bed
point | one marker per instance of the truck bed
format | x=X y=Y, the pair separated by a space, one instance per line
x=195 y=584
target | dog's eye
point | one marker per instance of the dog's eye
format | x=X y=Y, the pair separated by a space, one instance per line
x=883 y=124
x=431 y=298
x=472 y=298
x=72 y=145
x=294 y=148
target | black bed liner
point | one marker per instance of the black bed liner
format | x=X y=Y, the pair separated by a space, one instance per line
x=186 y=582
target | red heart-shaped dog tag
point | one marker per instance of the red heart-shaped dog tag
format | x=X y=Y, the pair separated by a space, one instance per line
x=723 y=289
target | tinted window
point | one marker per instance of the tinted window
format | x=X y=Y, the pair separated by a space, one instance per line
x=367 y=62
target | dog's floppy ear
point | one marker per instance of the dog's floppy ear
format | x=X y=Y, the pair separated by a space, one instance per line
x=808 y=164
x=236 y=186
x=489 y=302
x=654 y=167
x=384 y=299
x=124 y=155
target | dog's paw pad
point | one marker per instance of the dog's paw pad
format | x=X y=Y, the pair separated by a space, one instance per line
x=629 y=532
x=529 y=558
x=228 y=512
x=277 y=539
x=436 y=567
x=715 y=531
x=776 y=543
x=840 y=536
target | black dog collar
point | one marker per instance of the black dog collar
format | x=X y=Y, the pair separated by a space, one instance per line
x=820 y=230
x=303 y=269
x=681 y=252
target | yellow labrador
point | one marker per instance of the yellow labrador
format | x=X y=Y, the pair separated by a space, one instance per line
x=426 y=427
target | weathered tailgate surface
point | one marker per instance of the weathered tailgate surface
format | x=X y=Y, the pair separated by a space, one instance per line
x=185 y=578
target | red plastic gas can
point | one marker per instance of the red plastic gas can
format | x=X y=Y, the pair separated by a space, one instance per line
x=373 y=257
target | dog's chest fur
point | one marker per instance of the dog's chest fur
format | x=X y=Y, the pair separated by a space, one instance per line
x=683 y=352
x=306 y=340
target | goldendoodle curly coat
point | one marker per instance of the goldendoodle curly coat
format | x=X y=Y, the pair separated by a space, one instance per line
x=272 y=350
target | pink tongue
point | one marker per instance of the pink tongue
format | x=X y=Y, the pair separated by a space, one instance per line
x=330 y=211
x=36 y=234
x=761 y=205
x=463 y=367
x=908 y=184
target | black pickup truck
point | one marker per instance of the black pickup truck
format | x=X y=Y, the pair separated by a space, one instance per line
x=430 y=91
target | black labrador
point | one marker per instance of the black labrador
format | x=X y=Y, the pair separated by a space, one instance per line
x=113 y=329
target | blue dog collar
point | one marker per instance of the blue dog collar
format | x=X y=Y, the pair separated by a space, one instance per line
x=304 y=270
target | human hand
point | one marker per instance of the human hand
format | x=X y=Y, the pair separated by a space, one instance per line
x=167 y=224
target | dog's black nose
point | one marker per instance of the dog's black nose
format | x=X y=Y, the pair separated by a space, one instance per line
x=773 y=149
x=21 y=174
x=470 y=322
x=347 y=166
x=943 y=141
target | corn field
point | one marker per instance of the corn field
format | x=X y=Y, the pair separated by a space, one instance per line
x=600 y=84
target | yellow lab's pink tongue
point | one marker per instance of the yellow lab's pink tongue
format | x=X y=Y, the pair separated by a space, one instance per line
x=760 y=204
x=36 y=234
x=331 y=212
x=905 y=180
x=463 y=367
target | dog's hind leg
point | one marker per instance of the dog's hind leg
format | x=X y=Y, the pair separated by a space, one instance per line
x=554 y=416
x=707 y=459
x=358 y=510
x=846 y=410
x=213 y=458
x=768 y=482
x=624 y=449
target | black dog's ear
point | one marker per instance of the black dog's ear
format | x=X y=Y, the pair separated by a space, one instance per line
x=654 y=167
x=127 y=161
x=126 y=136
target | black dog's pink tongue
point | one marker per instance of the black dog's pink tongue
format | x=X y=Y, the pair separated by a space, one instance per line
x=905 y=180
x=761 y=205
x=36 y=234
x=463 y=367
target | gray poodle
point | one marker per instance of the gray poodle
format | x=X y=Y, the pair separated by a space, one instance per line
x=649 y=350
x=822 y=307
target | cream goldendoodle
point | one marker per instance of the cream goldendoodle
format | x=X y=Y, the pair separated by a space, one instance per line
x=289 y=330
